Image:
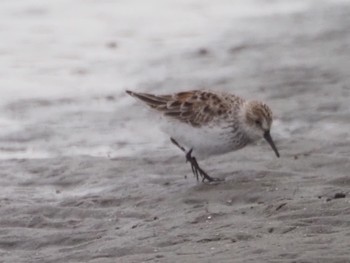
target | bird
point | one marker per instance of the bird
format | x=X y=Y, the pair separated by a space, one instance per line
x=210 y=123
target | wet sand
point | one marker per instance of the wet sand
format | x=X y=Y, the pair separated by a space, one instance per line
x=85 y=177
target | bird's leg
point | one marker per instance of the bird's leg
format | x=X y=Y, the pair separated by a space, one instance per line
x=196 y=170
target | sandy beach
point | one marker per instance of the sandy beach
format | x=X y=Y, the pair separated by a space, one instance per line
x=86 y=174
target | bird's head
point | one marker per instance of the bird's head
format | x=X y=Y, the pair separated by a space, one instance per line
x=257 y=121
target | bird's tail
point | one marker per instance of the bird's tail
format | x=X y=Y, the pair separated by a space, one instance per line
x=151 y=100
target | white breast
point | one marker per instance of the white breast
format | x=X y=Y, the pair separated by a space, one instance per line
x=206 y=140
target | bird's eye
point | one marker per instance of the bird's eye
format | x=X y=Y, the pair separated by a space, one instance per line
x=257 y=122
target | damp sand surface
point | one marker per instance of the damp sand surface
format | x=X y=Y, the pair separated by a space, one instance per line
x=86 y=175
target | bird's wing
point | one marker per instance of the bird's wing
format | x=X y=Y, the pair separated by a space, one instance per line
x=195 y=107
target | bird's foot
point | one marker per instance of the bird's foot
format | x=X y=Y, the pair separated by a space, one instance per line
x=197 y=171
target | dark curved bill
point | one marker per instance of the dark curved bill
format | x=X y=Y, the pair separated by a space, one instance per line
x=268 y=138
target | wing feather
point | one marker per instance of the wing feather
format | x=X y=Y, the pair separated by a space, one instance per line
x=195 y=107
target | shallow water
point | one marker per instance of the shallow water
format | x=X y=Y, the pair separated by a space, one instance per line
x=87 y=176
x=65 y=67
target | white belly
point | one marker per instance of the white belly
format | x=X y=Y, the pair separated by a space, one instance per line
x=205 y=140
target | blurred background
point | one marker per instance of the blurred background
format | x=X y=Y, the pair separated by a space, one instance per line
x=87 y=176
x=65 y=65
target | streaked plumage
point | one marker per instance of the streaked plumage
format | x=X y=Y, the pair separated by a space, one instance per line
x=211 y=122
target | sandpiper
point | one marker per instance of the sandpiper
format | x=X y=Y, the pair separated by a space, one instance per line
x=209 y=122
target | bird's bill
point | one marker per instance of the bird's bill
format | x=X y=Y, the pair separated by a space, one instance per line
x=268 y=138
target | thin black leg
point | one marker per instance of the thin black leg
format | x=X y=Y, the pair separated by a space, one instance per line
x=196 y=170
